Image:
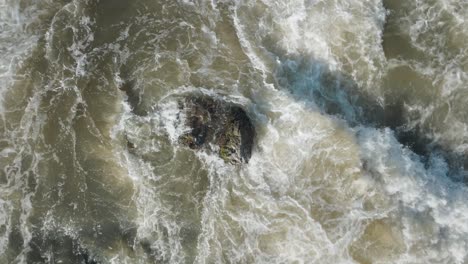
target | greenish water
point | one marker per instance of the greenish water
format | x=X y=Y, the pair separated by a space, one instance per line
x=361 y=131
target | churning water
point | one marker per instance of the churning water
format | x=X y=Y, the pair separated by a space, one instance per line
x=359 y=107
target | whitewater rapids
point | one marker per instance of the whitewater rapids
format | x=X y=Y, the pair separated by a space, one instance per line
x=359 y=107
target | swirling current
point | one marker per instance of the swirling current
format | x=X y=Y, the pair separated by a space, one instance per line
x=359 y=109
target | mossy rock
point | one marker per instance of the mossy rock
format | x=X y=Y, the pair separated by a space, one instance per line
x=218 y=126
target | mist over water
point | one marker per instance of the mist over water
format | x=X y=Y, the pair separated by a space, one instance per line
x=359 y=109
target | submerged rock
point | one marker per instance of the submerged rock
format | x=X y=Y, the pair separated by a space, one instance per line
x=218 y=126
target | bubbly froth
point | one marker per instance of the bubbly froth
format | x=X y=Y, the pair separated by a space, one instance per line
x=357 y=106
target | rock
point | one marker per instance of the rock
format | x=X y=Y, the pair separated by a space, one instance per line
x=218 y=126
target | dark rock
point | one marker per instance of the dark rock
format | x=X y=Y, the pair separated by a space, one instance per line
x=218 y=123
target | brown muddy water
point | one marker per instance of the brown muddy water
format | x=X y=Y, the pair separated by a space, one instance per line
x=359 y=108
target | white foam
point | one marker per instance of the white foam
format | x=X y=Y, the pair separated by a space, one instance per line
x=304 y=195
x=173 y=120
x=340 y=33
x=425 y=199
x=15 y=41
x=437 y=30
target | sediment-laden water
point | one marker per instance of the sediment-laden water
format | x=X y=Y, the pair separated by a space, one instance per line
x=361 y=131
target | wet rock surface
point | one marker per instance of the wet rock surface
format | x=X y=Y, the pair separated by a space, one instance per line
x=218 y=126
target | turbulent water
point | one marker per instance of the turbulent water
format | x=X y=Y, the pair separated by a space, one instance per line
x=359 y=107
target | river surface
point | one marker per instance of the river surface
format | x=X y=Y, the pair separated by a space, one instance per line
x=360 y=109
